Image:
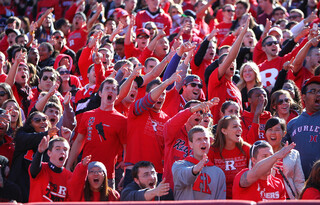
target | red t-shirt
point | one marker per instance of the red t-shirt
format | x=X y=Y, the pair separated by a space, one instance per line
x=145 y=137
x=77 y=39
x=161 y=20
x=246 y=123
x=199 y=71
x=49 y=186
x=3 y=78
x=174 y=102
x=176 y=142
x=202 y=26
x=231 y=162
x=269 y=70
x=131 y=51
x=224 y=29
x=105 y=133
x=225 y=90
x=311 y=193
x=7 y=148
x=261 y=190
x=301 y=76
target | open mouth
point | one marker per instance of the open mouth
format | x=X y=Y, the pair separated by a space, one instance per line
x=61 y=159
x=95 y=180
x=203 y=148
x=109 y=97
x=238 y=135
x=197 y=119
x=151 y=184
x=52 y=120
x=23 y=76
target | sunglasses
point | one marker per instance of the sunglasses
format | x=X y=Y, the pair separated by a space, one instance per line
x=57 y=37
x=270 y=43
x=39 y=119
x=229 y=10
x=142 y=36
x=46 y=78
x=150 y=28
x=64 y=72
x=281 y=101
x=195 y=84
x=3 y=93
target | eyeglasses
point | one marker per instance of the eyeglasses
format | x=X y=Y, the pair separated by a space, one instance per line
x=270 y=43
x=47 y=77
x=195 y=84
x=148 y=174
x=57 y=37
x=314 y=91
x=39 y=119
x=142 y=36
x=3 y=93
x=281 y=101
x=256 y=144
x=96 y=172
x=64 y=72
x=229 y=10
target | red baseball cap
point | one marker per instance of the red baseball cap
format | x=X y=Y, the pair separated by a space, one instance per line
x=122 y=13
x=141 y=31
x=314 y=79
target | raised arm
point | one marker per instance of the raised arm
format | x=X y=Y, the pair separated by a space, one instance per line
x=75 y=150
x=116 y=31
x=44 y=16
x=13 y=70
x=44 y=100
x=202 y=10
x=128 y=35
x=160 y=35
x=93 y=19
x=35 y=166
x=234 y=50
x=264 y=166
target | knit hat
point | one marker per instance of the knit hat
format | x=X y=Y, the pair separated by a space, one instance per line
x=97 y=164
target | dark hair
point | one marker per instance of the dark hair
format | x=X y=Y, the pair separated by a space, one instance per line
x=188 y=104
x=150 y=59
x=220 y=139
x=109 y=81
x=120 y=63
x=18 y=49
x=49 y=69
x=90 y=67
x=226 y=104
x=252 y=90
x=244 y=3
x=48 y=45
x=138 y=165
x=58 y=139
x=317 y=71
x=279 y=8
x=156 y=81
x=59 y=23
x=221 y=58
x=27 y=127
x=52 y=105
x=273 y=122
x=4 y=105
x=13 y=19
x=58 y=31
x=313 y=179
x=34 y=79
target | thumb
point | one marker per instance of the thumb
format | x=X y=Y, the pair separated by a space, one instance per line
x=163 y=181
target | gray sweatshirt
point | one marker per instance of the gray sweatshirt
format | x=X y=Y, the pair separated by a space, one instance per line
x=210 y=183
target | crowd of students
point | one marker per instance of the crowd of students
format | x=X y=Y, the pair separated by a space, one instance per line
x=159 y=100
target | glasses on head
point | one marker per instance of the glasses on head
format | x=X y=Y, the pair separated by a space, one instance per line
x=62 y=72
x=57 y=37
x=39 y=119
x=195 y=84
x=229 y=10
x=313 y=91
x=96 y=172
x=142 y=36
x=281 y=101
x=256 y=144
x=3 y=93
x=270 y=43
x=45 y=78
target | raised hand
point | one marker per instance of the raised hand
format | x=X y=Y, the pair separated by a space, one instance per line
x=161 y=33
x=288 y=65
x=198 y=167
x=53 y=131
x=67 y=98
x=85 y=161
x=186 y=47
x=285 y=150
x=44 y=144
x=66 y=133
x=175 y=77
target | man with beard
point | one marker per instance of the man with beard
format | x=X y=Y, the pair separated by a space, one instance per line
x=144 y=188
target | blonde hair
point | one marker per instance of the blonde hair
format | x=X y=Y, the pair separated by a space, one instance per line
x=255 y=69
